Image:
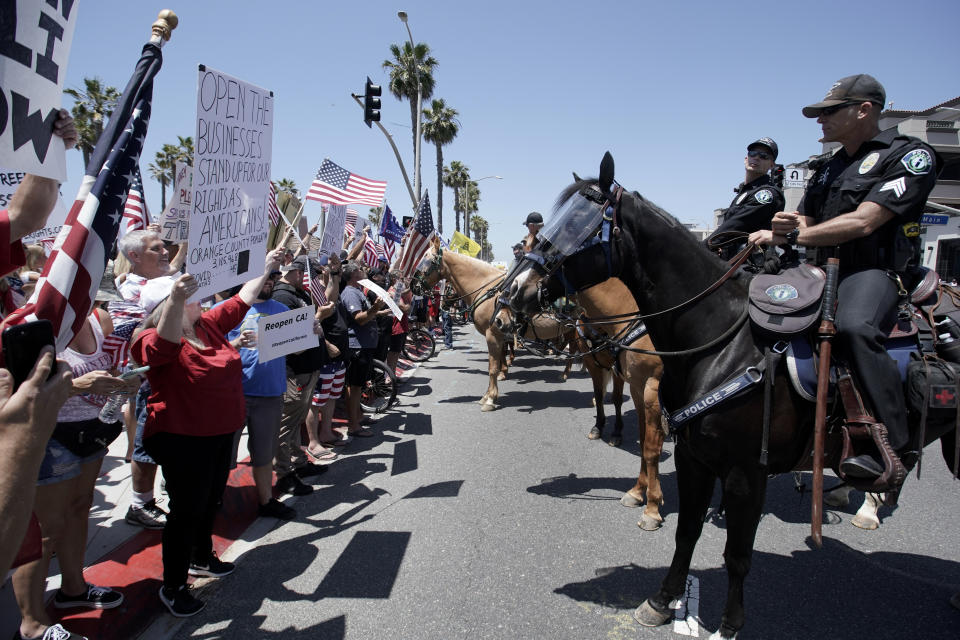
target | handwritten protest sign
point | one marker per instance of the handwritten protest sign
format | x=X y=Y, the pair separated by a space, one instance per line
x=383 y=295
x=332 y=241
x=35 y=40
x=9 y=181
x=175 y=220
x=285 y=332
x=231 y=181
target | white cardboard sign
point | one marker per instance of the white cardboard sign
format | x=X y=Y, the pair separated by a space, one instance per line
x=231 y=182
x=285 y=332
x=175 y=220
x=383 y=295
x=33 y=63
x=9 y=181
x=332 y=241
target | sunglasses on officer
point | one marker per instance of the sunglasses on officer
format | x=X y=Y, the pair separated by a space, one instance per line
x=756 y=153
x=829 y=111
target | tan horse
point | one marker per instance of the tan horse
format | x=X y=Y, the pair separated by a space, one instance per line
x=474 y=279
x=642 y=372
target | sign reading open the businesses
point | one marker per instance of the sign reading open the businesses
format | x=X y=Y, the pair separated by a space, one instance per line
x=286 y=332
x=231 y=182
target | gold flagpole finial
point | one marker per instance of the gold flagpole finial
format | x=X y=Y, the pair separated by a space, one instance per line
x=166 y=22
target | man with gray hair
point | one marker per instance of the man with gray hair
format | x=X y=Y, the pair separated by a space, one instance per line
x=149 y=259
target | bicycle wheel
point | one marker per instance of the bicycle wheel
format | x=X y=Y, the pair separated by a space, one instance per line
x=419 y=346
x=380 y=390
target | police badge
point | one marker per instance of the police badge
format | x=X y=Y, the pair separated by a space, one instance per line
x=917 y=162
x=763 y=196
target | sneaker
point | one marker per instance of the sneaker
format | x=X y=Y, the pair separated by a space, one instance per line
x=181 y=602
x=55 y=632
x=308 y=470
x=149 y=516
x=214 y=567
x=292 y=484
x=276 y=509
x=95 y=598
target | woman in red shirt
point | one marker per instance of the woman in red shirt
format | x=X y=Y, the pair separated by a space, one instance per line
x=194 y=409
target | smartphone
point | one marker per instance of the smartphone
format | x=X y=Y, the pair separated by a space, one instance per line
x=21 y=348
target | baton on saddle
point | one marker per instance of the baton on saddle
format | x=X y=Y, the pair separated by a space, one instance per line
x=826 y=332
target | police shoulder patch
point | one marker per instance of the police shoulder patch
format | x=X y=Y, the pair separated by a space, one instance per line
x=764 y=196
x=917 y=162
x=782 y=292
x=868 y=163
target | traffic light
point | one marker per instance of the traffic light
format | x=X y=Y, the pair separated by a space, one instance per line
x=371 y=103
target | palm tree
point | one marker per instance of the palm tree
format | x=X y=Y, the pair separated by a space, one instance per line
x=286 y=185
x=440 y=128
x=471 y=196
x=480 y=226
x=183 y=154
x=455 y=176
x=163 y=168
x=92 y=106
x=406 y=67
x=375 y=214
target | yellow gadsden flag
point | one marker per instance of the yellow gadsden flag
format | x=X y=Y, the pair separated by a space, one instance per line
x=462 y=244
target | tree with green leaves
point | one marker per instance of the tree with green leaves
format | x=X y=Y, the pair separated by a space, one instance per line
x=163 y=168
x=92 y=106
x=376 y=213
x=407 y=66
x=480 y=227
x=469 y=200
x=455 y=176
x=286 y=185
x=440 y=127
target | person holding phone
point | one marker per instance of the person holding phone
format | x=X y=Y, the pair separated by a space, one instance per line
x=67 y=477
x=195 y=406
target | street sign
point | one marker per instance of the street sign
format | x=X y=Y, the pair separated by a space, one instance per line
x=932 y=218
x=794 y=178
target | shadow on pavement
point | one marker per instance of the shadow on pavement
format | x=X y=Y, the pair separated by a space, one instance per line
x=573 y=487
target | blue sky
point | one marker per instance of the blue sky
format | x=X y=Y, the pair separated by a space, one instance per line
x=674 y=90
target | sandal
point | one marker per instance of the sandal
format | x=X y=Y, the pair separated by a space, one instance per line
x=324 y=455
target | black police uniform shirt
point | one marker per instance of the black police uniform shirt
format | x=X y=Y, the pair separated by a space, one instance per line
x=895 y=171
x=752 y=209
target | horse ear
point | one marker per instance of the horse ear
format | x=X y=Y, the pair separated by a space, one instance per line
x=576 y=178
x=606 y=172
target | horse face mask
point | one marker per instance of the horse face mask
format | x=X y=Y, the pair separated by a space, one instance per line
x=574 y=221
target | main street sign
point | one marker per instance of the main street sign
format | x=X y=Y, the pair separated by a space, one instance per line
x=933 y=218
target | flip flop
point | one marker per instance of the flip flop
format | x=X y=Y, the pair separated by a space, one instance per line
x=325 y=455
x=361 y=433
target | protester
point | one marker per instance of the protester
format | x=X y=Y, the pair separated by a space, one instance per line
x=362 y=343
x=149 y=259
x=27 y=418
x=195 y=407
x=302 y=371
x=263 y=387
x=447 y=308
x=399 y=327
x=65 y=483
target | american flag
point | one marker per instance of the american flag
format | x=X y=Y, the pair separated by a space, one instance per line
x=272 y=210
x=389 y=249
x=350 y=223
x=419 y=241
x=370 y=252
x=117 y=344
x=316 y=288
x=70 y=280
x=135 y=214
x=336 y=185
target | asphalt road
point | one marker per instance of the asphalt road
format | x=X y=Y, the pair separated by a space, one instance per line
x=453 y=523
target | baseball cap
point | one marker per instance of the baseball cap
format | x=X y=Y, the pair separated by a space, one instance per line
x=323 y=260
x=765 y=142
x=534 y=217
x=300 y=262
x=858 y=88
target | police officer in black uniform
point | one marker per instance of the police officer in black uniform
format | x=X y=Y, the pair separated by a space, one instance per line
x=867 y=201
x=757 y=197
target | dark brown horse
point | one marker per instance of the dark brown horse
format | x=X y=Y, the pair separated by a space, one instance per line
x=704 y=339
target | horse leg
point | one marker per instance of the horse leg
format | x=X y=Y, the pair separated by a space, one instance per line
x=652 y=445
x=636 y=496
x=744 y=491
x=867 y=516
x=598 y=377
x=494 y=357
x=695 y=489
x=502 y=372
x=838 y=498
x=617 y=438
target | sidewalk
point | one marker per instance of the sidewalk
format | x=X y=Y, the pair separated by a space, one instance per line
x=128 y=558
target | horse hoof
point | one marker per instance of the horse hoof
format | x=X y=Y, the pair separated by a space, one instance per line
x=650 y=617
x=615 y=441
x=594 y=434
x=865 y=523
x=488 y=407
x=648 y=523
x=718 y=635
x=629 y=500
x=502 y=376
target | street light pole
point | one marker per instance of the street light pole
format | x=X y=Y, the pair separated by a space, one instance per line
x=416 y=145
x=466 y=208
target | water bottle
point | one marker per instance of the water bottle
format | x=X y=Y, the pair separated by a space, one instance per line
x=110 y=412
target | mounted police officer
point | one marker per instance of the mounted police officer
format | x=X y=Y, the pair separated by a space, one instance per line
x=757 y=199
x=866 y=201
